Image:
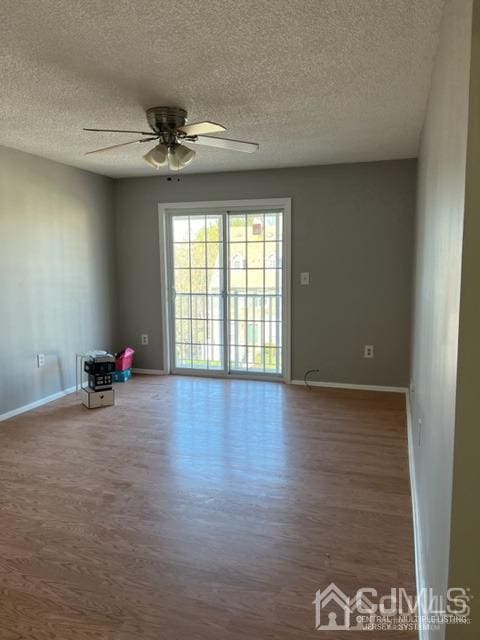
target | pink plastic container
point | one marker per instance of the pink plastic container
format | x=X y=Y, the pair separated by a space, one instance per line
x=125 y=359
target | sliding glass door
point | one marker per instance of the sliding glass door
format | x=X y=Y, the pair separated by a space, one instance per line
x=255 y=292
x=226 y=281
x=198 y=292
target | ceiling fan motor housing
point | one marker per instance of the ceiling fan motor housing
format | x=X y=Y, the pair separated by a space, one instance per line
x=163 y=119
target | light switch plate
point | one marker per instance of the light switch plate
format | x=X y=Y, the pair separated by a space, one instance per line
x=305 y=278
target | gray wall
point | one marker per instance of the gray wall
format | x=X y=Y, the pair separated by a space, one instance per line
x=352 y=228
x=465 y=535
x=56 y=273
x=438 y=260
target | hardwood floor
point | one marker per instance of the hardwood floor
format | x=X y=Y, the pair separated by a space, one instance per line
x=200 y=509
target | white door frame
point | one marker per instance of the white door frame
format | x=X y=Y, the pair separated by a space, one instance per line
x=285 y=204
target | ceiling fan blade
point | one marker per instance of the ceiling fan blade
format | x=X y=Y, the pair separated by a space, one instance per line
x=225 y=143
x=123 y=144
x=200 y=128
x=142 y=133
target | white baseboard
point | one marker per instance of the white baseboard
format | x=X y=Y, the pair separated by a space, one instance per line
x=150 y=372
x=423 y=634
x=343 y=385
x=37 y=403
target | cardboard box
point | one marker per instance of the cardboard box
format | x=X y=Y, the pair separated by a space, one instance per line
x=94 y=399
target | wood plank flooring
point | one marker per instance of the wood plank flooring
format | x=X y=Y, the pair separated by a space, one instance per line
x=200 y=509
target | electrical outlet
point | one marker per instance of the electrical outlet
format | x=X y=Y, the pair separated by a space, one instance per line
x=305 y=278
x=144 y=338
x=368 y=351
x=40 y=360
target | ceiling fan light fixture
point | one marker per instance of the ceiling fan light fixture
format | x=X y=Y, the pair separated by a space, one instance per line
x=157 y=157
x=179 y=156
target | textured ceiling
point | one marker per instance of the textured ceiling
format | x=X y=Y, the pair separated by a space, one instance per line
x=313 y=81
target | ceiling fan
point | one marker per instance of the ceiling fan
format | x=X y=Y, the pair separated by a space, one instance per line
x=170 y=130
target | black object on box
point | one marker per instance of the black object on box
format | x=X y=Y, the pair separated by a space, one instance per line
x=100 y=367
x=100 y=381
x=93 y=366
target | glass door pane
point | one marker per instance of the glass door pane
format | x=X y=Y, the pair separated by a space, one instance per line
x=197 y=269
x=255 y=292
